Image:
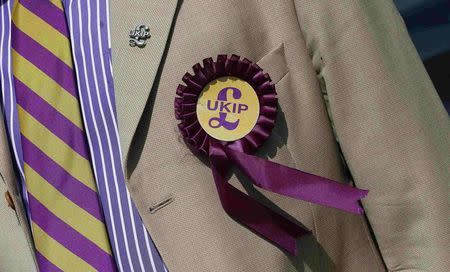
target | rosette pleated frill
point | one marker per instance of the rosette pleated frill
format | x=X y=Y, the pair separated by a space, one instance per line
x=262 y=173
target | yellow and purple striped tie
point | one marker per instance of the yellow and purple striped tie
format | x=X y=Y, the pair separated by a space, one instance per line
x=66 y=218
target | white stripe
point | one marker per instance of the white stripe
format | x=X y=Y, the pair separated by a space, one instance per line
x=147 y=242
x=122 y=219
x=138 y=249
x=111 y=214
x=1 y=54
x=111 y=111
x=107 y=24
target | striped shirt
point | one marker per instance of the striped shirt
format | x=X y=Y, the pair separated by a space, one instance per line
x=91 y=49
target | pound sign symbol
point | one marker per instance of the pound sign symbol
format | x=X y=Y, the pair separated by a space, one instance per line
x=221 y=121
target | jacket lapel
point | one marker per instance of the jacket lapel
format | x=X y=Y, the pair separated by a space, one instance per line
x=135 y=68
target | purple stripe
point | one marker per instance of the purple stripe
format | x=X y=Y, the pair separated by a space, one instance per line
x=74 y=190
x=49 y=13
x=51 y=119
x=70 y=238
x=46 y=265
x=43 y=59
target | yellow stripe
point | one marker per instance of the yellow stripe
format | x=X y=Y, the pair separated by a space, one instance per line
x=43 y=33
x=56 y=253
x=47 y=89
x=57 y=3
x=74 y=216
x=56 y=149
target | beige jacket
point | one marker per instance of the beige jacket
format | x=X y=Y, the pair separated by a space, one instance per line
x=391 y=127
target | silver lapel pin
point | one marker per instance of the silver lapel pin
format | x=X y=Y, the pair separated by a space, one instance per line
x=139 y=36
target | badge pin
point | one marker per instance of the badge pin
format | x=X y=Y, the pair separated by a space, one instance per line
x=139 y=36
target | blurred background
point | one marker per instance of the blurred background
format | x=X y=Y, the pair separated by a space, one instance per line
x=428 y=23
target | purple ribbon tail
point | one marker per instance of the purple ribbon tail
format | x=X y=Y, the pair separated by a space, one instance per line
x=249 y=212
x=297 y=184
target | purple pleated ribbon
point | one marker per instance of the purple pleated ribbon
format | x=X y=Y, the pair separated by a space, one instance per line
x=262 y=173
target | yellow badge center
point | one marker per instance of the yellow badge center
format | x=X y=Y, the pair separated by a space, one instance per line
x=228 y=108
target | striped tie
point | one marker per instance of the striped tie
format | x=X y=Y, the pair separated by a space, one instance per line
x=66 y=217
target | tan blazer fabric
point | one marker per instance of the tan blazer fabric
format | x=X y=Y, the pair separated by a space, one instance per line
x=391 y=133
x=389 y=121
x=392 y=127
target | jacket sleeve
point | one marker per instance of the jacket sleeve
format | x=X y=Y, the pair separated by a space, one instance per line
x=390 y=123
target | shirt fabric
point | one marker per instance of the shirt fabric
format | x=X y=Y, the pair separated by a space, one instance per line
x=91 y=49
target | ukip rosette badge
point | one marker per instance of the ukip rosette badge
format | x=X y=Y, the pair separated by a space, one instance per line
x=227 y=109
